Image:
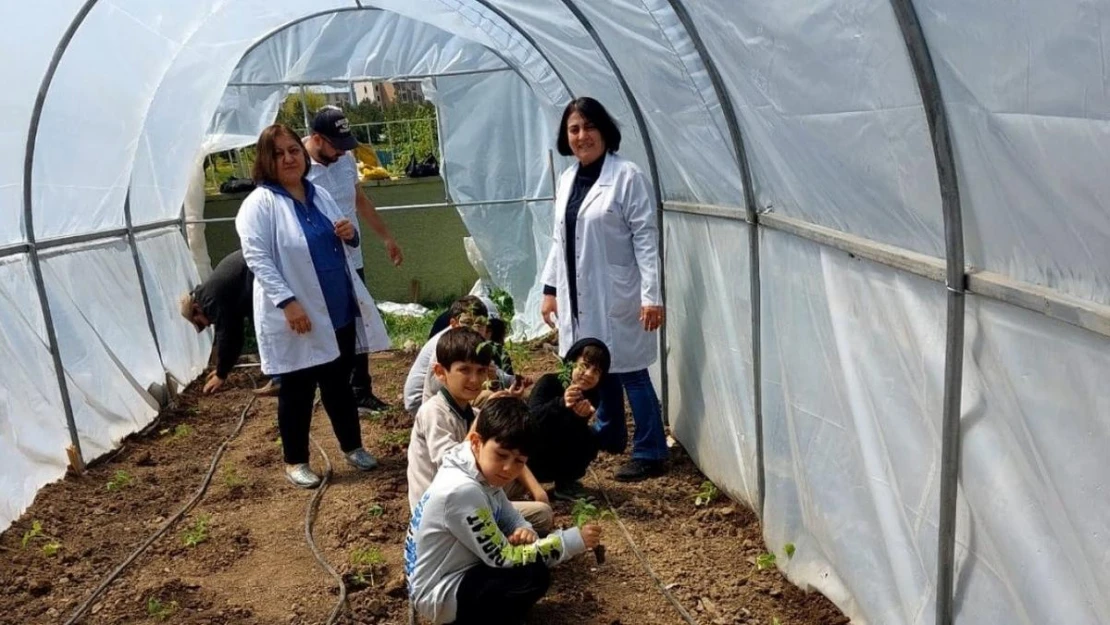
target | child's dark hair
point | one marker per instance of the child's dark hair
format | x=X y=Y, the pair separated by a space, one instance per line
x=467 y=305
x=594 y=356
x=462 y=345
x=507 y=421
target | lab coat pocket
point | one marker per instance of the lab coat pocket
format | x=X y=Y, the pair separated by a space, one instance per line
x=624 y=291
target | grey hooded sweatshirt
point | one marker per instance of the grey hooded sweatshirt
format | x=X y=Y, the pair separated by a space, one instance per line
x=462 y=522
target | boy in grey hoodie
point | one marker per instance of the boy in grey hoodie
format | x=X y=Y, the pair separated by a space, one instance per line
x=470 y=557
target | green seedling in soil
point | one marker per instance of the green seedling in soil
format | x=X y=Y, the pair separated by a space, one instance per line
x=31 y=534
x=156 y=608
x=584 y=512
x=775 y=621
x=375 y=511
x=706 y=494
x=182 y=431
x=51 y=548
x=364 y=560
x=197 y=532
x=765 y=561
x=399 y=437
x=120 y=480
x=277 y=441
x=565 y=373
x=232 y=479
x=789 y=549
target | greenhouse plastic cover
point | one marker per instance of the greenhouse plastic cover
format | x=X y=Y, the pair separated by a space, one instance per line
x=851 y=353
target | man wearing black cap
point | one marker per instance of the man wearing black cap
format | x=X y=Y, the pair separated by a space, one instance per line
x=335 y=170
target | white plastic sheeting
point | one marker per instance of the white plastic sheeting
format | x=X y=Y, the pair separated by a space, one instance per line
x=852 y=352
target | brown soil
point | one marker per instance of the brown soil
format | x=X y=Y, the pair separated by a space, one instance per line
x=254 y=566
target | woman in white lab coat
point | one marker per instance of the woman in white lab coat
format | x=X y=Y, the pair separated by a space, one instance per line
x=601 y=279
x=310 y=316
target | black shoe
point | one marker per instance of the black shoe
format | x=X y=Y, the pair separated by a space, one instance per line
x=636 y=470
x=571 y=492
x=368 y=402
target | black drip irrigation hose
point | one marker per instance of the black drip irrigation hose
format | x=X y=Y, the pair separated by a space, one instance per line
x=309 y=521
x=639 y=555
x=82 y=609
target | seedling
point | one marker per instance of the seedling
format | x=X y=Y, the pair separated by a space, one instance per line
x=182 y=431
x=775 y=621
x=789 y=549
x=399 y=437
x=765 y=561
x=364 y=560
x=706 y=494
x=584 y=512
x=31 y=534
x=232 y=479
x=51 y=548
x=156 y=608
x=197 y=533
x=120 y=480
x=566 y=371
x=375 y=511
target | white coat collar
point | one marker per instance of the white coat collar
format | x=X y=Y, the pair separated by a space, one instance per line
x=606 y=178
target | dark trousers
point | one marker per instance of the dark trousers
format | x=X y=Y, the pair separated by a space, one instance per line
x=650 y=442
x=298 y=392
x=489 y=596
x=360 y=376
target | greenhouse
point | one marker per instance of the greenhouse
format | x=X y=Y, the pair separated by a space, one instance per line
x=885 y=231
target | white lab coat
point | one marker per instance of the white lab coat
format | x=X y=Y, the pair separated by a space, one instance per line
x=276 y=250
x=617 y=264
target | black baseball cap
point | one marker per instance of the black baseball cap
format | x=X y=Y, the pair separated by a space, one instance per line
x=332 y=124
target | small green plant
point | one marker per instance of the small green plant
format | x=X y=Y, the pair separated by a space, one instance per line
x=196 y=533
x=277 y=442
x=566 y=373
x=789 y=549
x=232 y=478
x=51 y=548
x=396 y=437
x=375 y=511
x=32 y=534
x=584 y=512
x=706 y=494
x=182 y=431
x=504 y=303
x=158 y=609
x=775 y=621
x=363 y=561
x=765 y=561
x=120 y=480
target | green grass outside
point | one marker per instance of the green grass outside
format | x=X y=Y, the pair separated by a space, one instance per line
x=435 y=269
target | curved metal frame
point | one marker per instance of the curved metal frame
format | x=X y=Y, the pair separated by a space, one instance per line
x=29 y=225
x=935 y=114
x=751 y=212
x=641 y=125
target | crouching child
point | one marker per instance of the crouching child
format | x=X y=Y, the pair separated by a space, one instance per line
x=470 y=557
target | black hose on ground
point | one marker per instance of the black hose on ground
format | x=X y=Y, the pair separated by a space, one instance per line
x=639 y=555
x=82 y=609
x=309 y=521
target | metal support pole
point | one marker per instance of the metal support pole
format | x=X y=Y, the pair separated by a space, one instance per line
x=304 y=108
x=928 y=85
x=439 y=142
x=77 y=458
x=139 y=272
x=351 y=93
x=653 y=167
x=752 y=213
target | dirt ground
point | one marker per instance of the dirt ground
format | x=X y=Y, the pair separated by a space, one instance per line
x=241 y=556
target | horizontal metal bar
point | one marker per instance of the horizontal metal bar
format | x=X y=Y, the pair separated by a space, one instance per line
x=343 y=81
x=928 y=267
x=88 y=237
x=1052 y=303
x=727 y=212
x=527 y=200
x=1072 y=310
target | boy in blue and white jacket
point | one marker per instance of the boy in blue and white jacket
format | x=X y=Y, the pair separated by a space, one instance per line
x=470 y=557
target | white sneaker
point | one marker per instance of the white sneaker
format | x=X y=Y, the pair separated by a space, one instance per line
x=301 y=475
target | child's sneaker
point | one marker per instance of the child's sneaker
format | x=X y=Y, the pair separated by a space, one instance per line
x=361 y=460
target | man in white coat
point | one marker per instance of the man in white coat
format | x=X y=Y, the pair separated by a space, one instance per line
x=333 y=168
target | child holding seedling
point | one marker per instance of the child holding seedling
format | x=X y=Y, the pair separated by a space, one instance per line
x=470 y=557
x=462 y=366
x=563 y=404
